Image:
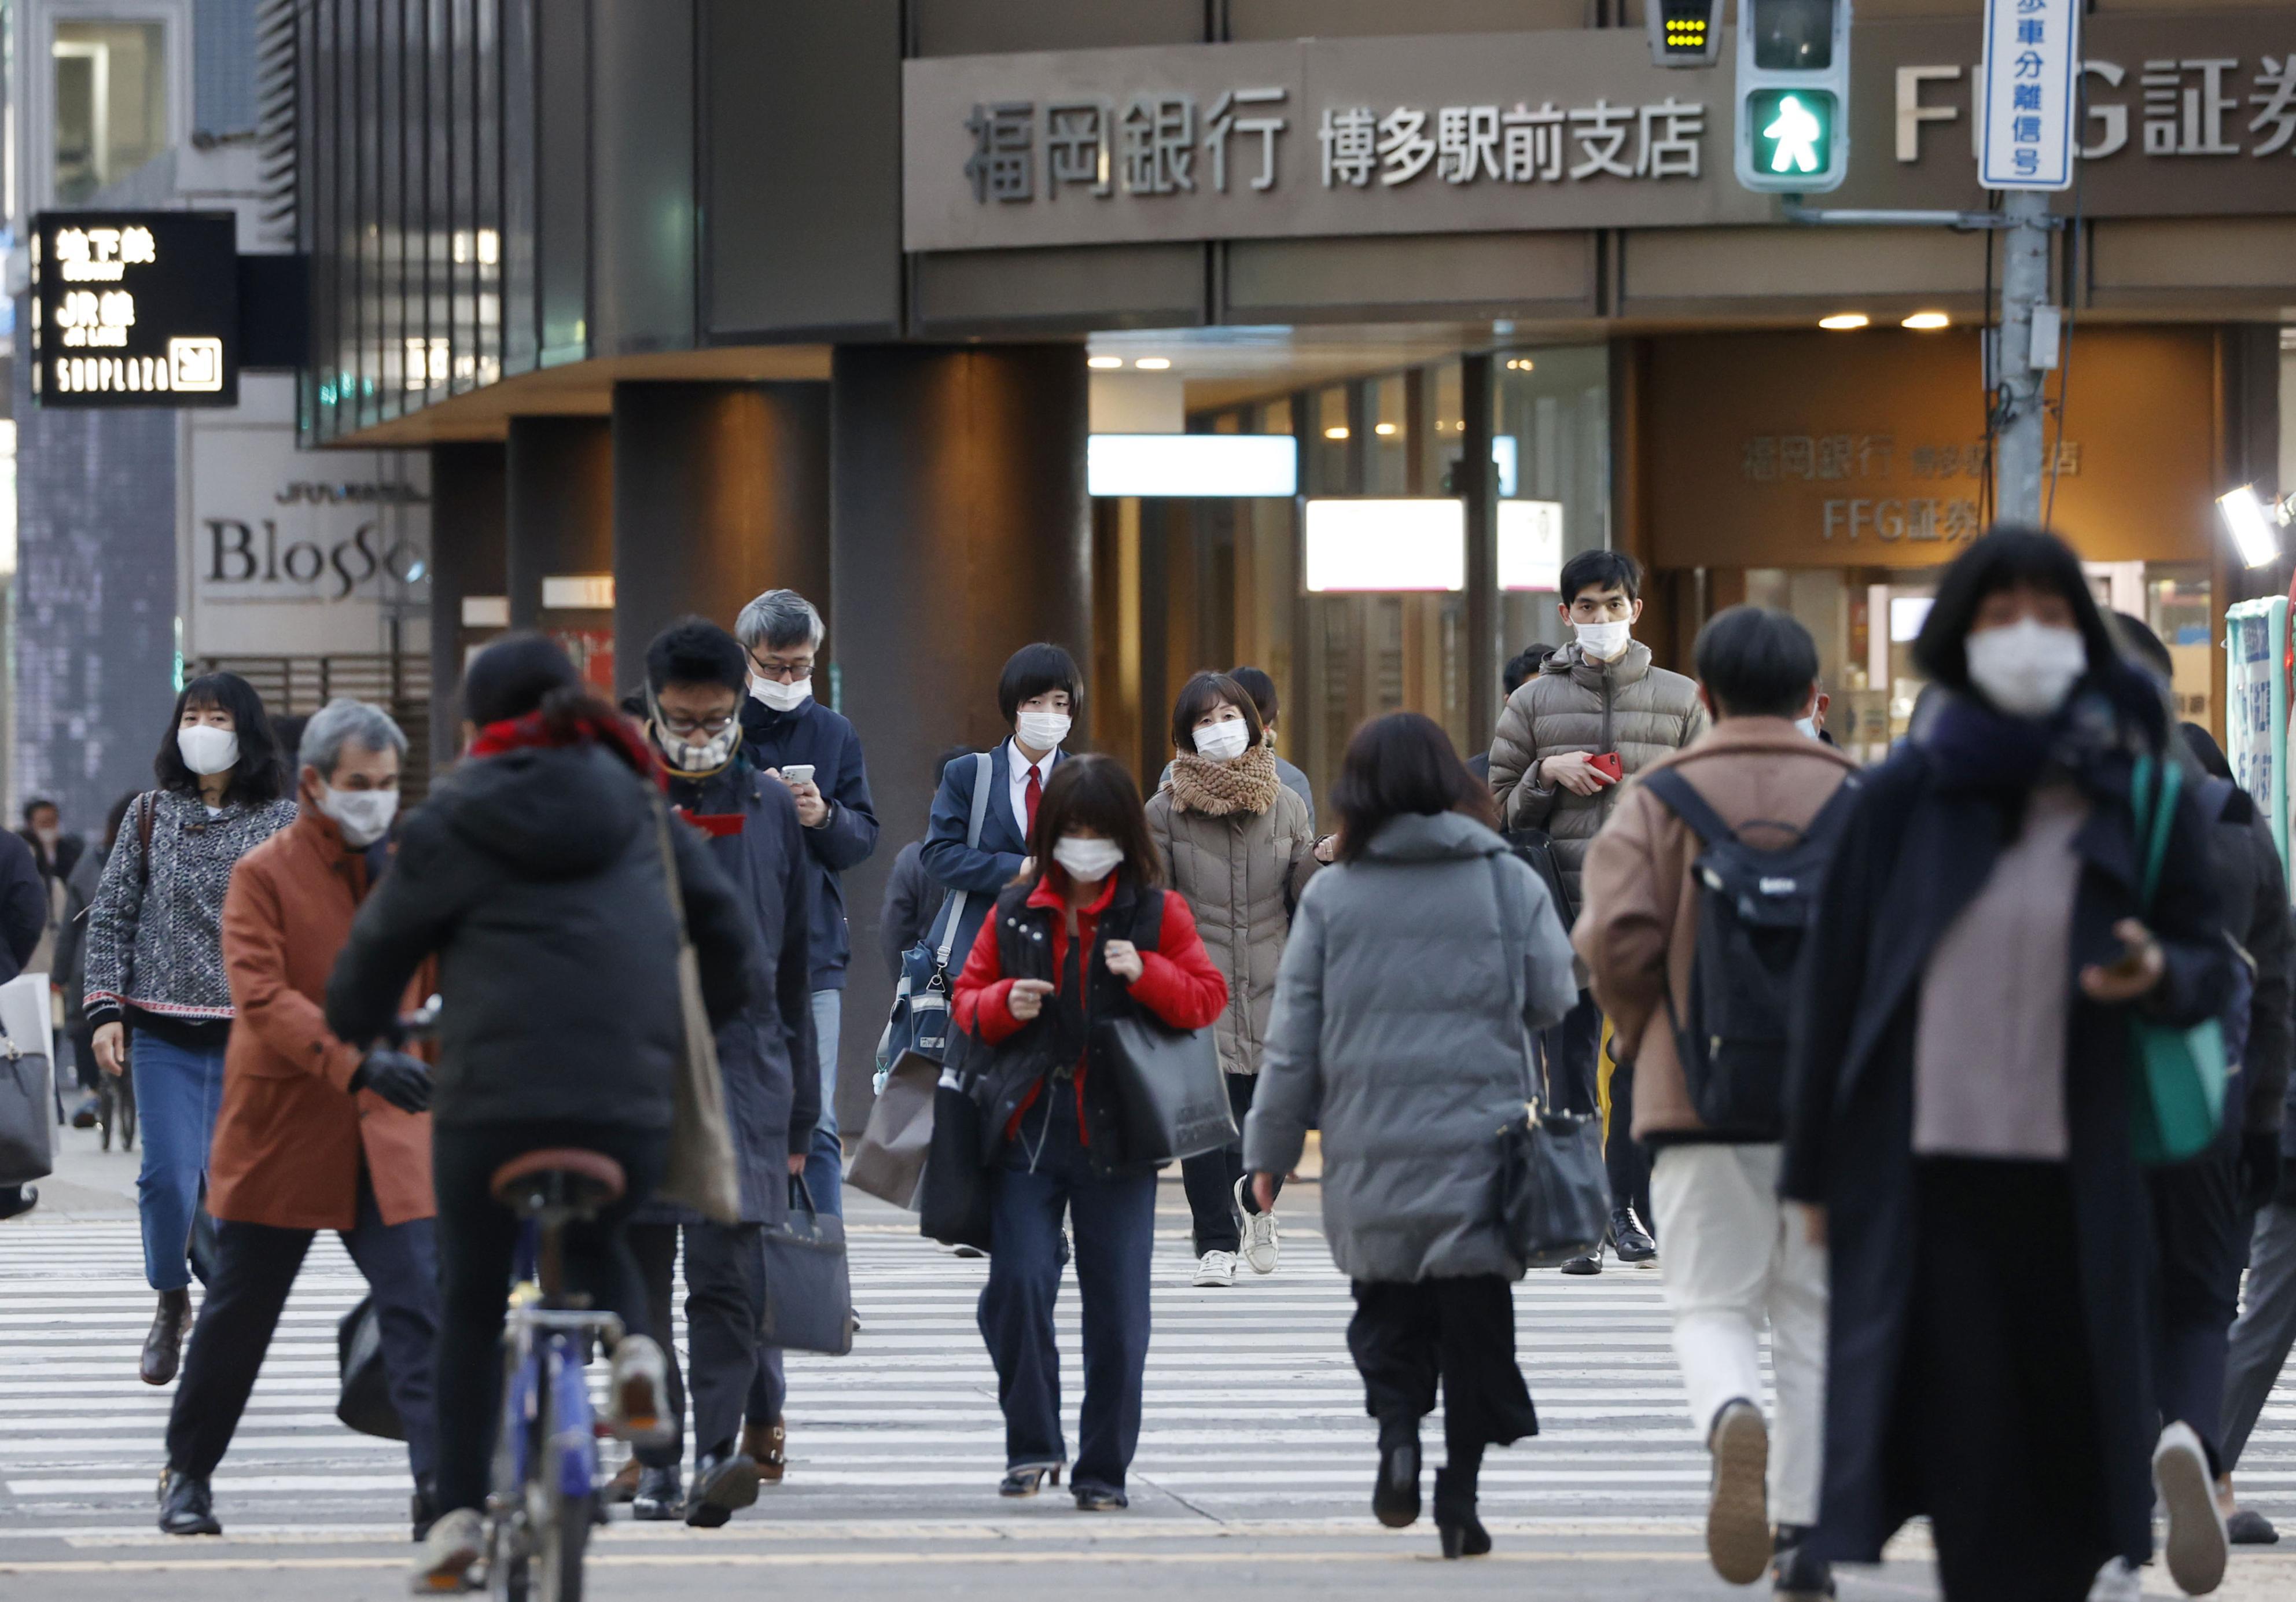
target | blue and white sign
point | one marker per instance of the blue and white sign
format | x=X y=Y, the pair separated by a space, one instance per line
x=2030 y=95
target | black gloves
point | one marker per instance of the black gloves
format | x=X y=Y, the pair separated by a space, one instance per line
x=403 y=1081
x=2260 y=1168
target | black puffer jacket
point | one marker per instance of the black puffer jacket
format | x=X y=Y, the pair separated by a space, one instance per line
x=536 y=876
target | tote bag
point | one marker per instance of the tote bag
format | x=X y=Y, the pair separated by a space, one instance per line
x=2177 y=1076
x=27 y=1056
x=892 y=1155
x=701 y=1172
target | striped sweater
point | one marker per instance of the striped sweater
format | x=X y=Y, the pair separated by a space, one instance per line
x=154 y=940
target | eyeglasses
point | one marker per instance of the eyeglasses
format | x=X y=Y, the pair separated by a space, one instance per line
x=783 y=673
x=681 y=726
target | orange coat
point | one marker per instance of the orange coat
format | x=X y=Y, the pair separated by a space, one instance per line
x=291 y=1135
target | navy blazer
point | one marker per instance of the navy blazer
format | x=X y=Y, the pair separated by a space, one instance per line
x=983 y=871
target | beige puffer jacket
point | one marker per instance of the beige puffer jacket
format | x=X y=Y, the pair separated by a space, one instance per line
x=1571 y=704
x=1242 y=874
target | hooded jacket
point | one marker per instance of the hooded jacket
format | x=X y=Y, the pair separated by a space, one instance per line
x=1571 y=704
x=536 y=876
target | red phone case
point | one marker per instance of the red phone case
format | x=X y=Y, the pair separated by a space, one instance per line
x=1610 y=763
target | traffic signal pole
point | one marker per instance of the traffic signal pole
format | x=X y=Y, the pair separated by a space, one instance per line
x=2020 y=418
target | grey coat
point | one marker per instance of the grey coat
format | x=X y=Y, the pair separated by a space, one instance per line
x=1400 y=1030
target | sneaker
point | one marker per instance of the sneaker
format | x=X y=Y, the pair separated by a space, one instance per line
x=1215 y=1270
x=2118 y=1580
x=661 y=1495
x=1260 y=1246
x=635 y=1394
x=1737 y=1511
x=455 y=1542
x=2197 y=1546
x=2249 y=1528
x=1631 y=1240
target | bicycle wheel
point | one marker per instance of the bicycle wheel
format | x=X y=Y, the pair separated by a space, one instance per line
x=559 y=1543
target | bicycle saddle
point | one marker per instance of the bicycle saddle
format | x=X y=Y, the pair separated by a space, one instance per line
x=558 y=1177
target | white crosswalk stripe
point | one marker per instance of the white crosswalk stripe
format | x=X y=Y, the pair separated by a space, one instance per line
x=1252 y=1412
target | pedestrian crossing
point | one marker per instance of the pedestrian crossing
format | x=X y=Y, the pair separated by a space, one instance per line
x=1253 y=1413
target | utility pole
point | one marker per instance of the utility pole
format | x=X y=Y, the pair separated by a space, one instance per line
x=2021 y=432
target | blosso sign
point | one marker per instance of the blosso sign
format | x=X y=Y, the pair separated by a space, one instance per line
x=301 y=553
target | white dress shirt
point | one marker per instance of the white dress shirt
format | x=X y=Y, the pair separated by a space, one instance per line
x=1016 y=770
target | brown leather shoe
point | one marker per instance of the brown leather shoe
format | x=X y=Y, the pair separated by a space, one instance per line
x=767 y=1445
x=163 y=1348
x=624 y=1486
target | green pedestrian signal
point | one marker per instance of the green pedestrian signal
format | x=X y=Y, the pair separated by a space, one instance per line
x=1793 y=131
x=1794 y=95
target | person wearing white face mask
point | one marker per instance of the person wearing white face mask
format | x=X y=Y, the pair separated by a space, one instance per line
x=314 y=1133
x=1087 y=935
x=1961 y=1074
x=153 y=959
x=1596 y=713
x=1241 y=848
x=1040 y=694
x=788 y=730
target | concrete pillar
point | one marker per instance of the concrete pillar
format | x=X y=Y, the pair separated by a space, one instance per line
x=720 y=491
x=467 y=508
x=963 y=532
x=560 y=473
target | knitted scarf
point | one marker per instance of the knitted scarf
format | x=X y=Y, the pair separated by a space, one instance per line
x=534 y=732
x=1245 y=783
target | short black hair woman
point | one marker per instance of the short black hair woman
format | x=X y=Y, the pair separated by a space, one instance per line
x=534 y=872
x=156 y=999
x=1086 y=934
x=1415 y=969
x=1962 y=1068
x=1241 y=848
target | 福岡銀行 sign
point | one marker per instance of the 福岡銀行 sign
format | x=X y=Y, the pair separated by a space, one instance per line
x=134 y=309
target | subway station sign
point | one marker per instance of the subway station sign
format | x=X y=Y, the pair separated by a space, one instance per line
x=2190 y=114
x=134 y=308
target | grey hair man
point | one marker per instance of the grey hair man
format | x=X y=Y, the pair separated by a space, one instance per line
x=792 y=736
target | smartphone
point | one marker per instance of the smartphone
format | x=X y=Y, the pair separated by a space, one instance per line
x=801 y=773
x=1610 y=764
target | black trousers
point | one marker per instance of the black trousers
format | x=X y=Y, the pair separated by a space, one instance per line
x=2203 y=1240
x=1209 y=1180
x=725 y=1299
x=1406 y=1336
x=1997 y=1403
x=1625 y=1160
x=255 y=1268
x=478 y=1240
x=1570 y=1049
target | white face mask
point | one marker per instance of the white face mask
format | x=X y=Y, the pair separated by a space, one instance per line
x=1807 y=726
x=1224 y=741
x=363 y=815
x=707 y=757
x=208 y=750
x=2027 y=668
x=1042 y=731
x=49 y=836
x=1087 y=860
x=781 y=696
x=1605 y=642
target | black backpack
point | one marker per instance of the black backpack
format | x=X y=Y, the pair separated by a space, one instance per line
x=1753 y=908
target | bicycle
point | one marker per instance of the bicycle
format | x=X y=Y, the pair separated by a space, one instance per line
x=546 y=1479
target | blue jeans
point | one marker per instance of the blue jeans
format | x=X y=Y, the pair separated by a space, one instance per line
x=1115 y=1221
x=177 y=1094
x=825 y=1165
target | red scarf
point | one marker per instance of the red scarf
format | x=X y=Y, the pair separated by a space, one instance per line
x=531 y=733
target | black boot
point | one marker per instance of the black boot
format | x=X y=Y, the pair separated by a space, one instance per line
x=163 y=1348
x=1796 y=1574
x=1632 y=1242
x=186 y=1507
x=1395 y=1497
x=1463 y=1533
x=423 y=1511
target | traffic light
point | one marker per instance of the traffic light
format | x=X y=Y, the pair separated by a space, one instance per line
x=1684 y=33
x=1794 y=95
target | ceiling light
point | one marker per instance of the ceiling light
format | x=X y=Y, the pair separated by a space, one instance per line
x=2250 y=525
x=1152 y=363
x=1841 y=321
x=1384 y=428
x=1339 y=432
x=1103 y=364
x=1521 y=364
x=1926 y=321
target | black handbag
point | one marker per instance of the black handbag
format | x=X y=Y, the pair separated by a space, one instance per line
x=1554 y=1195
x=1168 y=1088
x=365 y=1404
x=808 y=1294
x=1536 y=847
x=26 y=1151
x=953 y=1193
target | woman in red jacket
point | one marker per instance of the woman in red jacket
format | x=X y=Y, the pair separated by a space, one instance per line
x=1086 y=933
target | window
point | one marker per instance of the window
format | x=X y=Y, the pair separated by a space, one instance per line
x=109 y=103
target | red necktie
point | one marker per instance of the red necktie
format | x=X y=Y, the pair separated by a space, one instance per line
x=1035 y=793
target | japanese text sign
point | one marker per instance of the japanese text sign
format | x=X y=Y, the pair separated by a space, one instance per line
x=134 y=309
x=2028 y=94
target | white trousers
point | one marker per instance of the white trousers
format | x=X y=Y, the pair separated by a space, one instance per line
x=1733 y=1255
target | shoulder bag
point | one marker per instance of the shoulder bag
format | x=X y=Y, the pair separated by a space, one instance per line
x=1554 y=1198
x=920 y=1020
x=892 y=1151
x=703 y=1173
x=808 y=1292
x=2177 y=1076
x=363 y=1403
x=1169 y=1090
